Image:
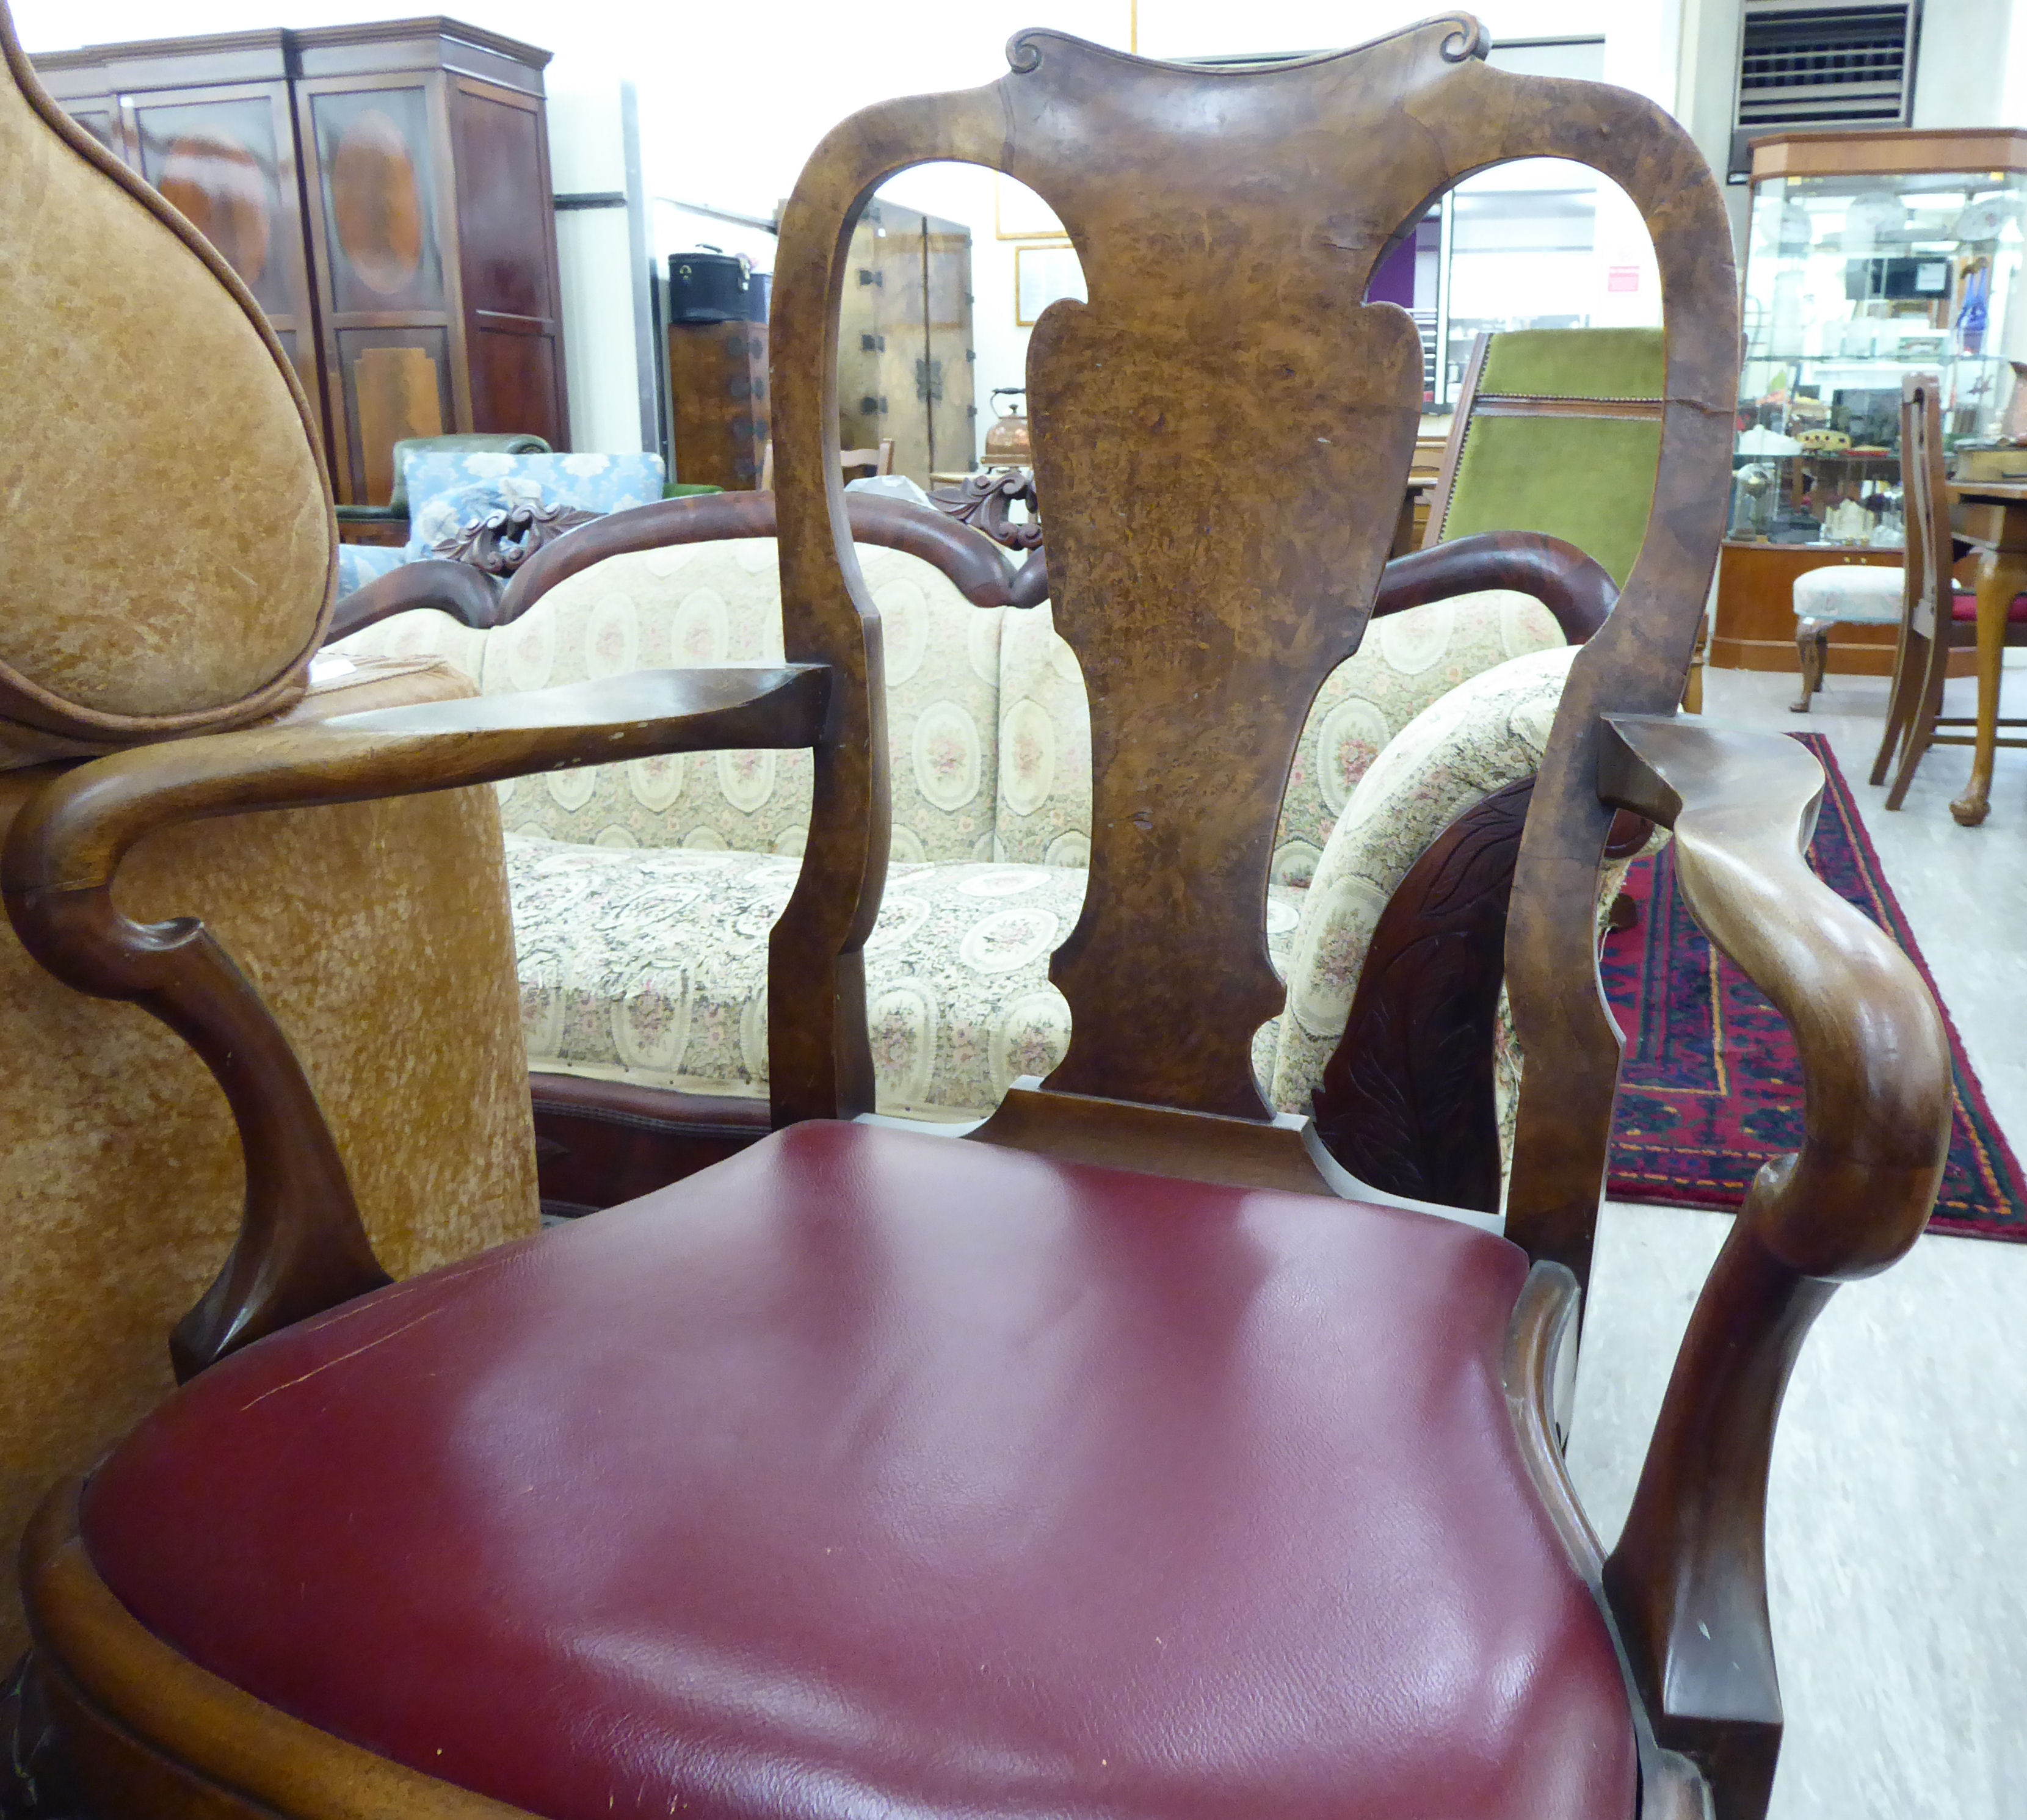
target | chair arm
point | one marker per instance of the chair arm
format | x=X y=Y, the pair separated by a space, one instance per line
x=301 y=1246
x=1576 y=590
x=468 y=595
x=1687 y=1580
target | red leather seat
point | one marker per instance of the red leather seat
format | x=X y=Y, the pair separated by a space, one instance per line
x=1964 y=606
x=878 y=1472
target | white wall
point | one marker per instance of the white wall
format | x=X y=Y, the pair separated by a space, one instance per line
x=733 y=99
x=594 y=265
x=1960 y=76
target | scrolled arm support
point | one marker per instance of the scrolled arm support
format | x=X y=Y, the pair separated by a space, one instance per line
x=1687 y=1580
x=302 y=1247
x=1578 y=592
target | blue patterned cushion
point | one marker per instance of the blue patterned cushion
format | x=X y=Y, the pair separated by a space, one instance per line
x=447 y=492
x=359 y=564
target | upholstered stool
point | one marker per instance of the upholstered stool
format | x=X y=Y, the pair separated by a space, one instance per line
x=1842 y=594
x=1846 y=595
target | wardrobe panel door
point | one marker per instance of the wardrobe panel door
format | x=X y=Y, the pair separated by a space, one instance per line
x=226 y=157
x=503 y=234
x=377 y=172
x=949 y=374
x=397 y=384
x=216 y=161
x=514 y=382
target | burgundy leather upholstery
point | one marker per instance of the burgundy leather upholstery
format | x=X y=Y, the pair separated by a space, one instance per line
x=875 y=1473
x=1964 y=606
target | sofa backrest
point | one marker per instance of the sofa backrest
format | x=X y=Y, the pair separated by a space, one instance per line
x=719 y=601
x=988 y=727
x=1408 y=661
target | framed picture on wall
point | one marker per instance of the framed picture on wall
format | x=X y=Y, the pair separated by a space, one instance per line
x=1041 y=275
x=1019 y=214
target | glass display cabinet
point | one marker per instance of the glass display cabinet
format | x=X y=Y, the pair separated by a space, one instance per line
x=1869 y=255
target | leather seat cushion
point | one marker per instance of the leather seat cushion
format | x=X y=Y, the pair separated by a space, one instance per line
x=1963 y=608
x=877 y=1472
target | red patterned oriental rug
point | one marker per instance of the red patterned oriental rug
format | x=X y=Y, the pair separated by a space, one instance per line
x=1712 y=1085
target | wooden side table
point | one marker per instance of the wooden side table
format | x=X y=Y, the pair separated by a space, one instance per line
x=1991 y=515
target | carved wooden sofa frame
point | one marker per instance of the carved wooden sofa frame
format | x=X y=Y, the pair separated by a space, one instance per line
x=1112 y=143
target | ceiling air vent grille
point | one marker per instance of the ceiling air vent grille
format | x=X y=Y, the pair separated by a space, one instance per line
x=1802 y=65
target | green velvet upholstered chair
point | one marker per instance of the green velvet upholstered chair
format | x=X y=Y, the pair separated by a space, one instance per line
x=1558 y=431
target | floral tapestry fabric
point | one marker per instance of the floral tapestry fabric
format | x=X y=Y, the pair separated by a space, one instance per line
x=720 y=602
x=652 y=967
x=1487 y=732
x=1044 y=809
x=447 y=490
x=1408 y=660
x=424 y=632
x=643 y=892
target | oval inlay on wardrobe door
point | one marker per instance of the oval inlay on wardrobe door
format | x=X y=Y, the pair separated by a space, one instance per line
x=377 y=202
x=220 y=186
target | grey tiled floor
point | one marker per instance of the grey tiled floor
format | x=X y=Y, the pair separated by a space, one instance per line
x=1897 y=1525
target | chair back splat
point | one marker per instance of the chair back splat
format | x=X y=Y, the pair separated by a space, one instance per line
x=1925 y=495
x=1222 y=434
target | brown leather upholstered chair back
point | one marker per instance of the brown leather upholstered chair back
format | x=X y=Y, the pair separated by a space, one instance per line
x=166 y=565
x=167 y=554
x=1222 y=434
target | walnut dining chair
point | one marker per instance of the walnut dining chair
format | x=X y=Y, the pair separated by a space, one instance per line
x=1935 y=618
x=1116 y=1458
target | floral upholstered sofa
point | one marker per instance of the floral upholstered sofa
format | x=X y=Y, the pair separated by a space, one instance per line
x=644 y=893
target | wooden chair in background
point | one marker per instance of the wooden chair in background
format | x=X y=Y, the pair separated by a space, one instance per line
x=1927 y=600
x=1120 y=1458
x=854 y=461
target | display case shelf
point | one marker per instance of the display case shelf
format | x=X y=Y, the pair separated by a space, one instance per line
x=1870 y=256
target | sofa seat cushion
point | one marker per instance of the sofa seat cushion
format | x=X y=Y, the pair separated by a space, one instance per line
x=876 y=1472
x=651 y=965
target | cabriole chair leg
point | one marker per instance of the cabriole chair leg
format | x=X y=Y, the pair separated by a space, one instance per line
x=1812 y=640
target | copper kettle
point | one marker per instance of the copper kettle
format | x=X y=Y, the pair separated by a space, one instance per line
x=1006 y=443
